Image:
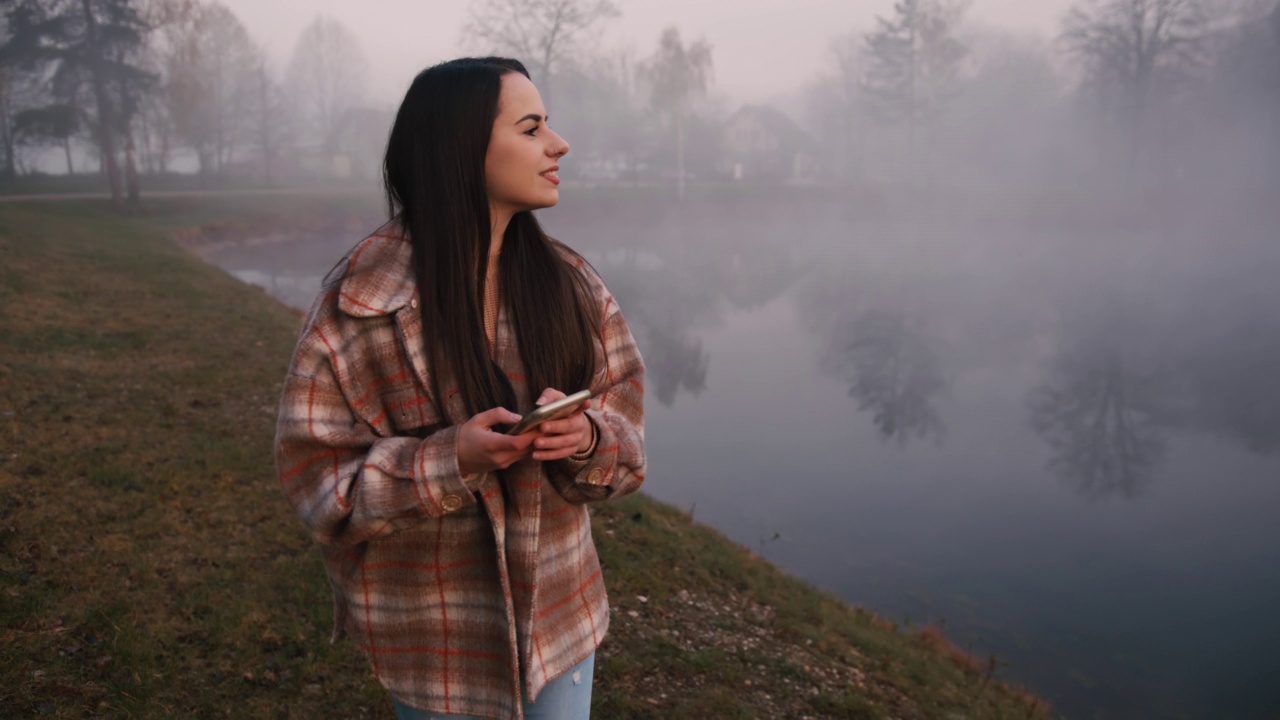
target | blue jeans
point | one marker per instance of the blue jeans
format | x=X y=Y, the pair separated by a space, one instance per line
x=568 y=697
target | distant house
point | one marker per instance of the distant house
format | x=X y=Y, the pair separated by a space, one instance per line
x=761 y=143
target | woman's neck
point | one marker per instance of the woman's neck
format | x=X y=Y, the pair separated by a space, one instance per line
x=492 y=291
x=495 y=251
x=500 y=219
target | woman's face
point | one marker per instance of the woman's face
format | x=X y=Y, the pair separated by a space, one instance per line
x=520 y=166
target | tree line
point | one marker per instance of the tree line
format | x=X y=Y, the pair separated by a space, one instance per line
x=1150 y=88
x=141 y=81
x=1133 y=92
x=1138 y=90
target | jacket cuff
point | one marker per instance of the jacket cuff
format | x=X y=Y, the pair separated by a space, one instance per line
x=592 y=478
x=441 y=487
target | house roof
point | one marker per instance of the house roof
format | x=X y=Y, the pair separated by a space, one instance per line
x=789 y=134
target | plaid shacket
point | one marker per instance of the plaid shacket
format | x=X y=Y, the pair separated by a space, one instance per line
x=453 y=596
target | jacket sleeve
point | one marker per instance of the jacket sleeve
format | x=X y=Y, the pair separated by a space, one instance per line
x=348 y=482
x=617 y=409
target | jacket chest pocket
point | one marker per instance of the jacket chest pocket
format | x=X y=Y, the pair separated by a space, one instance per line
x=410 y=412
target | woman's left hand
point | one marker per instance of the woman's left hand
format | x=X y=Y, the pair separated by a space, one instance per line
x=558 y=439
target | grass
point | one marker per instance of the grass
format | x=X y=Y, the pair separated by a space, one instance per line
x=149 y=567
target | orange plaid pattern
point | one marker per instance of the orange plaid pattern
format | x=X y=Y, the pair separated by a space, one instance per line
x=462 y=604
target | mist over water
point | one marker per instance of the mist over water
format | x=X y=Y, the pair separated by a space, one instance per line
x=1060 y=445
x=1060 y=442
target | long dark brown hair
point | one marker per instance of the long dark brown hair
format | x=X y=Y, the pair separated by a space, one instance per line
x=434 y=173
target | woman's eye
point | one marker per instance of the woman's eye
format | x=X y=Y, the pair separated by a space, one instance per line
x=531 y=131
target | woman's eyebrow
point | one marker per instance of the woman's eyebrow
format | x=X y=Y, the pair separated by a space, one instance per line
x=531 y=116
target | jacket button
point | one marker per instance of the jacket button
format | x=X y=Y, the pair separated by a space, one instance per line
x=595 y=477
x=414 y=303
x=451 y=503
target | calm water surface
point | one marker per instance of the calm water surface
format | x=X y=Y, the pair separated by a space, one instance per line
x=1060 y=445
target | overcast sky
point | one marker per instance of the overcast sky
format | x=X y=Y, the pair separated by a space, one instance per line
x=761 y=48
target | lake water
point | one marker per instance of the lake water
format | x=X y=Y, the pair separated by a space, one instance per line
x=1059 y=441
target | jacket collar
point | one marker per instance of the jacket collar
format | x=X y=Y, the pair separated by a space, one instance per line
x=378 y=275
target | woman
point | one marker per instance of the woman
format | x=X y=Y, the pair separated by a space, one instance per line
x=460 y=557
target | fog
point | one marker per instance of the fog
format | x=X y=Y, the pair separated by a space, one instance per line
x=979 y=330
x=764 y=48
x=989 y=94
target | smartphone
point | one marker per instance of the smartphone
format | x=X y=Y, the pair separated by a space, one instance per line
x=551 y=411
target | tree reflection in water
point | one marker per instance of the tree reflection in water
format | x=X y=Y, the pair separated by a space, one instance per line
x=1101 y=419
x=895 y=374
x=662 y=312
x=674 y=361
x=673 y=293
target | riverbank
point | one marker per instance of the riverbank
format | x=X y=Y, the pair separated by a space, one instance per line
x=149 y=566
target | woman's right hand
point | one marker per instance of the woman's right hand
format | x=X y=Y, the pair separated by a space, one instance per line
x=481 y=450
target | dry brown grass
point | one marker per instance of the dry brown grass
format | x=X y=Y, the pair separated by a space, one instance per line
x=932 y=637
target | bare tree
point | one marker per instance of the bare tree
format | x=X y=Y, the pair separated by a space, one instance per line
x=271 y=121
x=606 y=101
x=326 y=77
x=837 y=104
x=211 y=69
x=171 y=22
x=1124 y=44
x=542 y=33
x=1238 y=95
x=677 y=75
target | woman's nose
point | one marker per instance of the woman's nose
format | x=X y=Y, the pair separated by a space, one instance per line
x=559 y=148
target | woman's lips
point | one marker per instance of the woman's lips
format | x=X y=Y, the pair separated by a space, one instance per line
x=551 y=175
